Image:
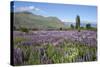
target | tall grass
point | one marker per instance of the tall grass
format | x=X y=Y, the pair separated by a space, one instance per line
x=44 y=54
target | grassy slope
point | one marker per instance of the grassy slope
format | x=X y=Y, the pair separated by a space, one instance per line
x=36 y=21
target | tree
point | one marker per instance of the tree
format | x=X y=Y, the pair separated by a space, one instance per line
x=78 y=22
x=14 y=27
x=60 y=28
x=88 y=26
x=23 y=29
x=72 y=26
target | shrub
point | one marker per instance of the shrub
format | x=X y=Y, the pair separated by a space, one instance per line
x=35 y=29
x=72 y=26
x=23 y=29
x=61 y=28
x=88 y=26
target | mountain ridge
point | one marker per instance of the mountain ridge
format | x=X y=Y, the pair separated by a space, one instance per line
x=29 y=20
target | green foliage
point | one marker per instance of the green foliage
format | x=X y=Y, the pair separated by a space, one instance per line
x=78 y=23
x=82 y=28
x=68 y=51
x=35 y=29
x=61 y=28
x=50 y=50
x=88 y=26
x=18 y=40
x=93 y=28
x=32 y=21
x=34 y=57
x=54 y=53
x=57 y=56
x=30 y=54
x=72 y=26
x=23 y=29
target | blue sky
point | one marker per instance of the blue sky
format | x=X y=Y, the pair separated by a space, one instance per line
x=65 y=12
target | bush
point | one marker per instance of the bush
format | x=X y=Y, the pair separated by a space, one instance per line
x=72 y=26
x=88 y=26
x=61 y=28
x=23 y=29
x=35 y=29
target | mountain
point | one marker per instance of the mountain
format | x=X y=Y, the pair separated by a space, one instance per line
x=29 y=20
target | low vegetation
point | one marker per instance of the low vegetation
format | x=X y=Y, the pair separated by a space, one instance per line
x=46 y=40
x=48 y=53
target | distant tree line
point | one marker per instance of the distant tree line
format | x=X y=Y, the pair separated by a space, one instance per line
x=76 y=26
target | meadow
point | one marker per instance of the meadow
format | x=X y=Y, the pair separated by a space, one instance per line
x=48 y=33
x=50 y=47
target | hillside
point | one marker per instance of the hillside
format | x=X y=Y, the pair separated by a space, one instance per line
x=29 y=20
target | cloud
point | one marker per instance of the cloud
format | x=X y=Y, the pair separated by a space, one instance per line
x=26 y=8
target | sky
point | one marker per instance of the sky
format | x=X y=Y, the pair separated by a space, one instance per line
x=65 y=12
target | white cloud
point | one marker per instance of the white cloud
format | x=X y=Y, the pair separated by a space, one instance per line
x=37 y=9
x=26 y=8
x=31 y=7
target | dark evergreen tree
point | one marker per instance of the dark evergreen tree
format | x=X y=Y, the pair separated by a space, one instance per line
x=78 y=22
x=72 y=26
x=88 y=26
